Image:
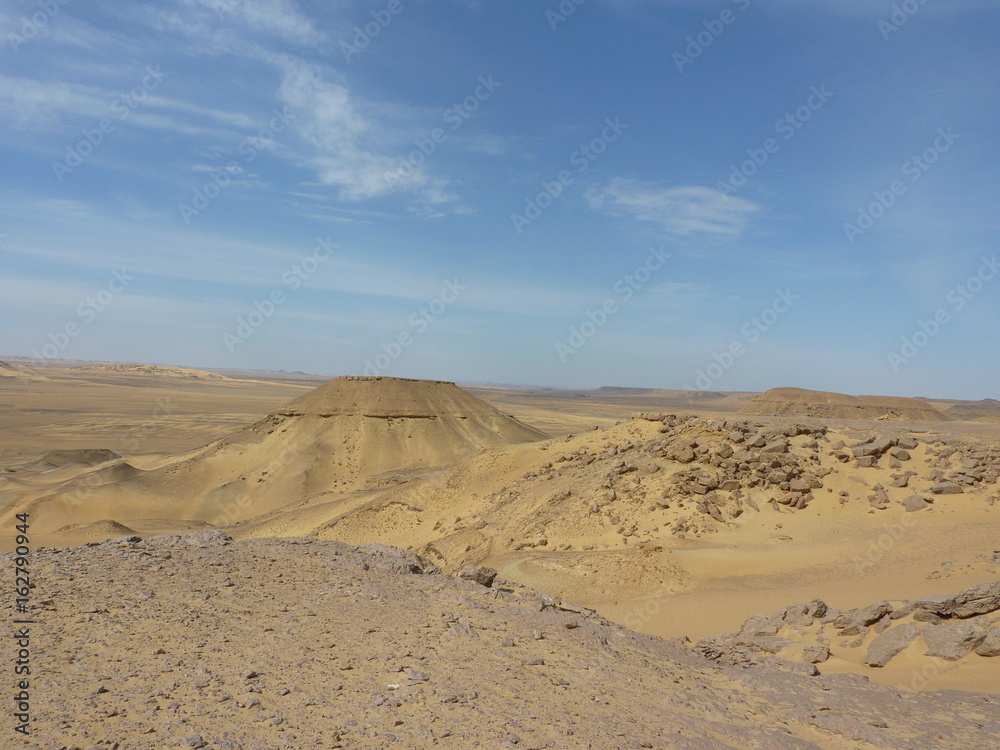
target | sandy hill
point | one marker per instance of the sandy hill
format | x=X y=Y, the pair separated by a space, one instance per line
x=124 y=368
x=196 y=641
x=617 y=488
x=799 y=402
x=7 y=370
x=352 y=435
x=112 y=529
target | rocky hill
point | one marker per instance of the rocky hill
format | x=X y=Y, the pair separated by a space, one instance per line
x=798 y=402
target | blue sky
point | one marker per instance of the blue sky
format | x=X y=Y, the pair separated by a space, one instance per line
x=732 y=195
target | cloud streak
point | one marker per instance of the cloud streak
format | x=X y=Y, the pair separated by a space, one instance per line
x=684 y=210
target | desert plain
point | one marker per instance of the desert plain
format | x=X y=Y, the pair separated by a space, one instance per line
x=280 y=560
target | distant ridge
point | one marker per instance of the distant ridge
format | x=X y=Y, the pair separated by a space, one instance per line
x=805 y=403
x=125 y=368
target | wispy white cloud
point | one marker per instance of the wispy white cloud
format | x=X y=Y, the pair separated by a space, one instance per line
x=684 y=210
x=279 y=18
x=53 y=106
x=345 y=145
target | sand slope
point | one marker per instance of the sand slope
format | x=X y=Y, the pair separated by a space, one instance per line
x=196 y=641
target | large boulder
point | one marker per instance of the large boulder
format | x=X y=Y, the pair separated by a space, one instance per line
x=851 y=622
x=978 y=600
x=914 y=503
x=953 y=640
x=946 y=488
x=890 y=643
x=990 y=645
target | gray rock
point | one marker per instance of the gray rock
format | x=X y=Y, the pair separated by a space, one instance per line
x=761 y=625
x=946 y=488
x=991 y=643
x=776 y=447
x=817 y=608
x=882 y=444
x=953 y=640
x=978 y=600
x=914 y=503
x=851 y=622
x=762 y=644
x=889 y=644
x=476 y=574
x=815 y=654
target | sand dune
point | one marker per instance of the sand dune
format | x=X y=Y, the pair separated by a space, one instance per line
x=800 y=402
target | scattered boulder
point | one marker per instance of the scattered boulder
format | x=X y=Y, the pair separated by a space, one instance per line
x=852 y=621
x=990 y=645
x=476 y=574
x=889 y=644
x=952 y=640
x=815 y=654
x=946 y=488
x=914 y=503
x=978 y=600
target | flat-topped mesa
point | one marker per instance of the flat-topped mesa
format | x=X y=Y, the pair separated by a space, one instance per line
x=389 y=398
x=349 y=434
